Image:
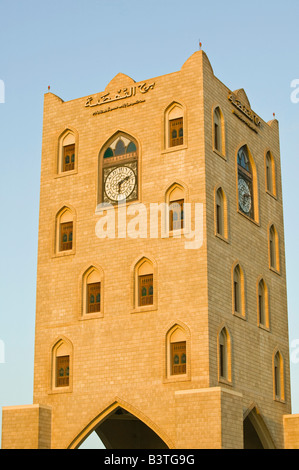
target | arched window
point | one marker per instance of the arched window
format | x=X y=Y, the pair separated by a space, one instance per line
x=221 y=213
x=92 y=292
x=177 y=355
x=270 y=174
x=247 y=185
x=273 y=249
x=278 y=376
x=64 y=231
x=61 y=364
x=174 y=126
x=224 y=355
x=118 y=170
x=175 y=198
x=67 y=149
x=144 y=283
x=218 y=131
x=263 y=304
x=238 y=291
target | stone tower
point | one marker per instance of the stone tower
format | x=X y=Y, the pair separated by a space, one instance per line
x=161 y=312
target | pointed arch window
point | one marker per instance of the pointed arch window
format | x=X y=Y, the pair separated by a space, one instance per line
x=246 y=184
x=270 y=174
x=174 y=126
x=92 y=293
x=144 y=285
x=61 y=365
x=263 y=304
x=65 y=231
x=177 y=355
x=67 y=152
x=221 y=213
x=224 y=355
x=118 y=170
x=274 y=261
x=175 y=200
x=218 y=131
x=238 y=291
x=278 y=377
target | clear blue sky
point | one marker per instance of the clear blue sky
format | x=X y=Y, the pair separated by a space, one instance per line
x=77 y=47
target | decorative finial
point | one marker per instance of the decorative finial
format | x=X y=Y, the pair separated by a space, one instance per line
x=200 y=44
x=273 y=114
x=48 y=87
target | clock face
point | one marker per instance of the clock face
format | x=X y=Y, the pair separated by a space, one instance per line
x=120 y=183
x=244 y=196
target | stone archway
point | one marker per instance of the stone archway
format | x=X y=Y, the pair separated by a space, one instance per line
x=123 y=427
x=255 y=432
x=123 y=430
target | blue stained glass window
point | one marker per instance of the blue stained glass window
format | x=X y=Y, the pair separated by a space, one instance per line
x=243 y=160
x=131 y=148
x=67 y=159
x=120 y=148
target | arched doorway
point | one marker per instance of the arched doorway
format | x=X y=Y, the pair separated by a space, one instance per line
x=255 y=432
x=121 y=429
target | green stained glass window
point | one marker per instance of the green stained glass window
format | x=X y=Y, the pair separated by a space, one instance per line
x=143 y=292
x=98 y=299
x=67 y=159
x=181 y=132
x=73 y=158
x=151 y=290
x=174 y=134
x=108 y=153
x=64 y=239
x=91 y=300
x=61 y=372
x=183 y=359
x=176 y=359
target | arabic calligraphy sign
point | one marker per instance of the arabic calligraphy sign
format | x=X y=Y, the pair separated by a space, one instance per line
x=121 y=94
x=244 y=109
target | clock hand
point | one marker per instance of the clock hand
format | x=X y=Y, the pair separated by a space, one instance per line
x=122 y=181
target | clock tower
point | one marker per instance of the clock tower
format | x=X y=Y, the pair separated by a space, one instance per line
x=149 y=341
